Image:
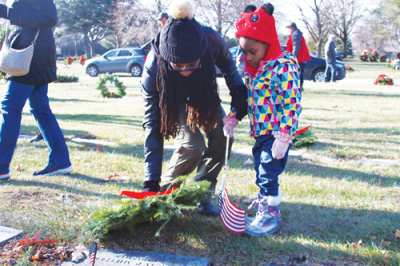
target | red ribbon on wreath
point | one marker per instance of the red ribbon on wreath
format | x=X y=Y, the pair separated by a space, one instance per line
x=143 y=195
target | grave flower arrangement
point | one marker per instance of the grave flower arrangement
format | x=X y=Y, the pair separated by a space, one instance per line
x=349 y=68
x=82 y=60
x=382 y=58
x=108 y=79
x=364 y=56
x=398 y=56
x=128 y=214
x=383 y=80
x=374 y=56
x=395 y=64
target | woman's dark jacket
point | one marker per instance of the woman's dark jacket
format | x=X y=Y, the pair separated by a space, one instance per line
x=29 y=16
x=154 y=142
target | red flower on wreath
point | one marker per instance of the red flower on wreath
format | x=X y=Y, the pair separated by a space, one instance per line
x=112 y=93
x=363 y=57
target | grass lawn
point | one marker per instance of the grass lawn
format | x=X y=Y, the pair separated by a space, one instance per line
x=333 y=196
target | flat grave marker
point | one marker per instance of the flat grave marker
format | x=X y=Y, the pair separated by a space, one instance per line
x=106 y=257
x=7 y=234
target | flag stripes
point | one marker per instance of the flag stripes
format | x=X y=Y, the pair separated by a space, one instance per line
x=232 y=217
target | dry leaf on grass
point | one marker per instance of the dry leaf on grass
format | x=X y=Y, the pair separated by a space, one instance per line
x=77 y=255
x=373 y=237
x=385 y=243
x=248 y=162
x=397 y=233
x=111 y=177
x=335 y=106
x=18 y=168
x=356 y=245
x=345 y=149
x=99 y=148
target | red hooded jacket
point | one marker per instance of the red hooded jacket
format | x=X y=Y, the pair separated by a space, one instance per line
x=304 y=54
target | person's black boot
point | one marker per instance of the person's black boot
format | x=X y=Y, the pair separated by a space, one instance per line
x=207 y=209
x=38 y=137
x=151 y=186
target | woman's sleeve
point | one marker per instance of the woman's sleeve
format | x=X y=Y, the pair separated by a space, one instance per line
x=42 y=16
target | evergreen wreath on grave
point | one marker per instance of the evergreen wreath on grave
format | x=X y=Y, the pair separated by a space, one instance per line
x=304 y=139
x=128 y=214
x=105 y=93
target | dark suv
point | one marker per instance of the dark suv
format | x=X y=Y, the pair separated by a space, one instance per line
x=128 y=60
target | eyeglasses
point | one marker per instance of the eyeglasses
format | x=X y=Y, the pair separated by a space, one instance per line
x=187 y=69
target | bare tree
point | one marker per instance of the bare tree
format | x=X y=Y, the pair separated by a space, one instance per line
x=374 y=33
x=390 y=16
x=317 y=22
x=344 y=14
x=222 y=14
x=135 y=21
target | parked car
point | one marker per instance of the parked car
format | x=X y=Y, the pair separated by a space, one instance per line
x=234 y=52
x=314 y=69
x=128 y=60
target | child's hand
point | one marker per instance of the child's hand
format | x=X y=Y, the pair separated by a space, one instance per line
x=279 y=149
x=229 y=125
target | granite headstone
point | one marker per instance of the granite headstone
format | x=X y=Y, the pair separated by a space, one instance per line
x=106 y=257
x=7 y=234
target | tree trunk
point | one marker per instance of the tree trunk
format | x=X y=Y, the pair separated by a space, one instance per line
x=319 y=49
x=92 y=46
x=87 y=46
x=76 y=43
x=219 y=8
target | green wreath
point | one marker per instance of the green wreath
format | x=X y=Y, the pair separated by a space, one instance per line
x=114 y=80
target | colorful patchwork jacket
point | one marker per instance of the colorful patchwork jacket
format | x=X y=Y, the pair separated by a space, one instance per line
x=274 y=96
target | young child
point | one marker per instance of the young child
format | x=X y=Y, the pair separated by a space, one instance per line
x=272 y=79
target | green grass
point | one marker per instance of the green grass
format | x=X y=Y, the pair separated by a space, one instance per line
x=331 y=200
x=370 y=70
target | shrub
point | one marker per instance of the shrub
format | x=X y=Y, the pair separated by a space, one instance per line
x=62 y=78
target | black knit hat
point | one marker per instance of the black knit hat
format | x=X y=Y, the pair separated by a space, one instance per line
x=182 y=41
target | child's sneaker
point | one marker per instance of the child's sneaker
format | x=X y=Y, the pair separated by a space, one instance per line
x=268 y=219
x=4 y=177
x=253 y=205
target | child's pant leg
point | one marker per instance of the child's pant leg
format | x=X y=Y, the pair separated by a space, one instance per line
x=267 y=167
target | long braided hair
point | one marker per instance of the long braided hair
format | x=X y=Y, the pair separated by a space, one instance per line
x=199 y=91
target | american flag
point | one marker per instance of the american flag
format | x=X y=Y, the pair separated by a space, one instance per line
x=232 y=217
x=92 y=253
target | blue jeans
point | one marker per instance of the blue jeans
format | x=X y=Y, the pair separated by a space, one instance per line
x=267 y=167
x=329 y=68
x=11 y=110
x=302 y=66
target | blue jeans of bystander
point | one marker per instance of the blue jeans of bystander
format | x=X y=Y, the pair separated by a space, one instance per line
x=11 y=110
x=267 y=167
x=329 y=68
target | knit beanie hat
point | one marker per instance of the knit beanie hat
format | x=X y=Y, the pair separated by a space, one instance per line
x=259 y=24
x=182 y=38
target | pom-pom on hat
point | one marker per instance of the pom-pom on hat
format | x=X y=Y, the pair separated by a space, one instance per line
x=182 y=38
x=259 y=24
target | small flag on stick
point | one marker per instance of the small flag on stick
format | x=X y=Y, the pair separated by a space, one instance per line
x=232 y=217
x=92 y=253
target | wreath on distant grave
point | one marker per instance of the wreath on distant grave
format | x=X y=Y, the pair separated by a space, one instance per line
x=109 y=79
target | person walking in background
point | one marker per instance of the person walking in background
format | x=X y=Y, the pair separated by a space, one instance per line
x=296 y=45
x=162 y=18
x=31 y=17
x=330 y=57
